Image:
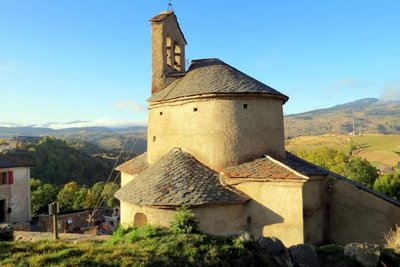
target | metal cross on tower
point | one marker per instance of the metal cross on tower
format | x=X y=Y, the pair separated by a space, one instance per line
x=170 y=6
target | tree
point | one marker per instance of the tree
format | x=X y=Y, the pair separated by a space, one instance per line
x=361 y=171
x=108 y=193
x=355 y=168
x=389 y=184
x=42 y=195
x=67 y=196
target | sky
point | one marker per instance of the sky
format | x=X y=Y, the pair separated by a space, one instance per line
x=89 y=62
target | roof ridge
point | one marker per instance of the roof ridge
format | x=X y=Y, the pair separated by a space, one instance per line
x=287 y=167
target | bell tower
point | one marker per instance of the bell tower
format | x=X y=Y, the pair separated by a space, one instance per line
x=168 y=50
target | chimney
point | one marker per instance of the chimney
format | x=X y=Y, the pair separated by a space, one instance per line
x=168 y=50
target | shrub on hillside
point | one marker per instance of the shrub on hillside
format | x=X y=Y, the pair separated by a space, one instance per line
x=184 y=221
x=392 y=239
x=389 y=184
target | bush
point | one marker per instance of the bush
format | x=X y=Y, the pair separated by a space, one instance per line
x=389 y=184
x=184 y=221
x=132 y=234
x=392 y=239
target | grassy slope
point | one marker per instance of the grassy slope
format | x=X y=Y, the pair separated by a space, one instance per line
x=378 y=149
x=167 y=250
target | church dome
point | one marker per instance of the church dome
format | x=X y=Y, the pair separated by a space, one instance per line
x=214 y=77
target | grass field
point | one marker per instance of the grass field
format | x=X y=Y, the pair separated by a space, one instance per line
x=376 y=148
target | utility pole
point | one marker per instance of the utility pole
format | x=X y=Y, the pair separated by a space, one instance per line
x=54 y=210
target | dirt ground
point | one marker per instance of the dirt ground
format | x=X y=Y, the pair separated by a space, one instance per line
x=69 y=237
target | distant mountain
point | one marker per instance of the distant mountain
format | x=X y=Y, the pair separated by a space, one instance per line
x=369 y=115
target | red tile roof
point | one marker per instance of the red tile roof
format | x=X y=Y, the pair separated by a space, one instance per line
x=265 y=168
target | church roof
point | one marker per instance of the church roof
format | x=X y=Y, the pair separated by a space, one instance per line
x=135 y=165
x=178 y=179
x=7 y=161
x=270 y=169
x=213 y=76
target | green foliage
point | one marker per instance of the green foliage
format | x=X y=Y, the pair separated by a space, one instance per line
x=166 y=249
x=73 y=196
x=355 y=168
x=57 y=163
x=333 y=255
x=184 y=221
x=389 y=184
x=361 y=171
x=42 y=195
x=67 y=196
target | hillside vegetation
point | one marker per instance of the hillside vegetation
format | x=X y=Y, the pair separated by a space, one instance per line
x=370 y=116
x=376 y=148
x=57 y=163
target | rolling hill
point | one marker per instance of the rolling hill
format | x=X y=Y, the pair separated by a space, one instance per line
x=369 y=115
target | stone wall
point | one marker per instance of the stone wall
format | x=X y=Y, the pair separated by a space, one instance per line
x=79 y=219
x=219 y=132
x=356 y=215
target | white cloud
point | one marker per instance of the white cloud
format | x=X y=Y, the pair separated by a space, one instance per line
x=109 y=123
x=130 y=105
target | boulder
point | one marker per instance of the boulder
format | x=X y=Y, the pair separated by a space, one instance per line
x=274 y=252
x=304 y=255
x=6 y=232
x=366 y=254
x=389 y=258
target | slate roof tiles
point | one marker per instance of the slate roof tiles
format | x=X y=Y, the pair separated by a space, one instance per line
x=135 y=165
x=178 y=179
x=7 y=161
x=269 y=169
x=213 y=76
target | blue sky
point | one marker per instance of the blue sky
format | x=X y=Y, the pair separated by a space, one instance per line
x=62 y=61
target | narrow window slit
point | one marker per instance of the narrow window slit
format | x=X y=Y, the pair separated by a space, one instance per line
x=245 y=106
x=154 y=138
x=160 y=113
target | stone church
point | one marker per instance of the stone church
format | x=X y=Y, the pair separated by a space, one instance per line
x=216 y=145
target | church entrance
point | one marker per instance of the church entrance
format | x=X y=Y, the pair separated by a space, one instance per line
x=2 y=210
x=140 y=220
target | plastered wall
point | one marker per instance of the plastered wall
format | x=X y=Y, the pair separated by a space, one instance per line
x=358 y=216
x=219 y=132
x=215 y=220
x=275 y=210
x=159 y=32
x=17 y=196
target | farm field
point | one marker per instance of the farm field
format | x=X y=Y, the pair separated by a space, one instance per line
x=377 y=148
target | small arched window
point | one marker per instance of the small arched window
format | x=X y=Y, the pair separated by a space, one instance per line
x=177 y=57
x=140 y=219
x=169 y=51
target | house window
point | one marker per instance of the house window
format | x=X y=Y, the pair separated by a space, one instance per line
x=245 y=106
x=6 y=178
x=3 y=178
x=195 y=109
x=160 y=113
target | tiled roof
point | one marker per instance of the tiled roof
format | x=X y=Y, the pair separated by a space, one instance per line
x=7 y=161
x=267 y=168
x=178 y=179
x=302 y=166
x=135 y=165
x=212 y=76
x=261 y=169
